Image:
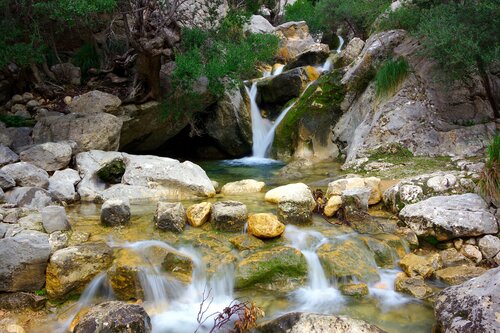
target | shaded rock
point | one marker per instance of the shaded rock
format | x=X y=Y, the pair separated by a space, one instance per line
x=50 y=156
x=198 y=214
x=2 y=196
x=114 y=317
x=180 y=266
x=95 y=101
x=279 y=89
x=280 y=267
x=295 y=212
x=20 y=138
x=472 y=252
x=333 y=205
x=385 y=253
x=7 y=156
x=71 y=269
x=448 y=217
x=490 y=246
x=115 y=212
x=26 y=174
x=21 y=301
x=242 y=187
x=316 y=54
x=451 y=257
x=459 y=274
x=62 y=185
x=24 y=258
x=354 y=289
x=170 y=216
x=258 y=25
x=470 y=307
x=112 y=172
x=229 y=216
x=30 y=197
x=414 y=265
x=316 y=323
x=355 y=201
x=67 y=73
x=54 y=218
x=414 y=286
x=58 y=240
x=294 y=39
x=89 y=131
x=246 y=242
x=265 y=225
x=351 y=51
x=6 y=181
x=32 y=222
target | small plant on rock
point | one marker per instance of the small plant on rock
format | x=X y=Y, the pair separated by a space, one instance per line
x=390 y=76
x=490 y=176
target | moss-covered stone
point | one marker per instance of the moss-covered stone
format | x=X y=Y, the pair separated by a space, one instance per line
x=112 y=172
x=277 y=267
x=181 y=267
x=385 y=256
x=123 y=275
x=354 y=289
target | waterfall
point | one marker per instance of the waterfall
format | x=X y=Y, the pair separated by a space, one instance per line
x=319 y=295
x=260 y=125
x=341 y=43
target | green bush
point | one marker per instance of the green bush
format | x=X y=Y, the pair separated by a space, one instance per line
x=86 y=57
x=304 y=10
x=16 y=121
x=490 y=177
x=390 y=75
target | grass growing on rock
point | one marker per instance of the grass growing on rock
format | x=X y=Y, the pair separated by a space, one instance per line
x=490 y=177
x=390 y=76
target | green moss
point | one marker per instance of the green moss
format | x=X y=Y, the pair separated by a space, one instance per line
x=112 y=172
x=322 y=97
x=17 y=121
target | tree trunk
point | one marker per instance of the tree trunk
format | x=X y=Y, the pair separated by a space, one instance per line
x=147 y=77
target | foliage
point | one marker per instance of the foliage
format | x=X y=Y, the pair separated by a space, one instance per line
x=304 y=10
x=390 y=75
x=72 y=11
x=86 y=57
x=14 y=46
x=490 y=176
x=16 y=121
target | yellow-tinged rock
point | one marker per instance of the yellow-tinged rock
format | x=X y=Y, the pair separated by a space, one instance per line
x=414 y=265
x=312 y=73
x=414 y=286
x=333 y=205
x=265 y=225
x=198 y=214
x=373 y=183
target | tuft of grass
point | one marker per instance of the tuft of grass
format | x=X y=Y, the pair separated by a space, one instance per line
x=390 y=76
x=86 y=57
x=490 y=177
x=16 y=121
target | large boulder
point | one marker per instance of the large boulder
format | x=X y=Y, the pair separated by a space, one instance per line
x=297 y=192
x=30 y=197
x=459 y=274
x=71 y=269
x=89 y=131
x=229 y=216
x=490 y=246
x=170 y=216
x=316 y=323
x=242 y=187
x=115 y=212
x=265 y=225
x=315 y=54
x=472 y=306
x=448 y=217
x=24 y=259
x=50 y=156
x=95 y=101
x=114 y=317
x=26 y=174
x=144 y=178
x=258 y=25
x=7 y=156
x=294 y=39
x=6 y=181
x=62 y=185
x=230 y=124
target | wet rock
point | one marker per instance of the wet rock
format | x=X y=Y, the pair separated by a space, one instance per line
x=31 y=197
x=265 y=225
x=50 y=156
x=414 y=265
x=315 y=54
x=243 y=187
x=112 y=172
x=470 y=307
x=373 y=183
x=21 y=301
x=355 y=201
x=179 y=266
x=26 y=174
x=62 y=185
x=89 y=131
x=54 y=218
x=72 y=268
x=279 y=267
x=490 y=246
x=67 y=73
x=472 y=252
x=24 y=259
x=279 y=89
x=414 y=286
x=229 y=216
x=7 y=156
x=258 y=25
x=459 y=274
x=114 y=317
x=198 y=214
x=170 y=216
x=333 y=205
x=354 y=289
x=295 y=212
x=6 y=181
x=316 y=323
x=95 y=101
x=384 y=254
x=349 y=259
x=124 y=276
x=451 y=257
x=246 y=242
x=448 y=217
x=115 y=213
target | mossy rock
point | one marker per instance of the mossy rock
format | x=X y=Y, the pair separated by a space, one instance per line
x=275 y=267
x=385 y=256
x=181 y=267
x=123 y=275
x=112 y=172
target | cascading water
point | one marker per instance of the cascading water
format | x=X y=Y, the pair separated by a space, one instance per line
x=319 y=295
x=341 y=43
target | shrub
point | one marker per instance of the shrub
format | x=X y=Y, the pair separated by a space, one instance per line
x=304 y=10
x=490 y=176
x=16 y=121
x=86 y=57
x=390 y=75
